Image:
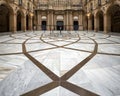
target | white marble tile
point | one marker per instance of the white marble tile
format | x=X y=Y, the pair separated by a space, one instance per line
x=58 y=60
x=5 y=38
x=10 y=48
x=103 y=41
x=87 y=47
x=100 y=75
x=61 y=43
x=109 y=48
x=16 y=41
x=59 y=91
x=37 y=46
x=114 y=39
x=23 y=79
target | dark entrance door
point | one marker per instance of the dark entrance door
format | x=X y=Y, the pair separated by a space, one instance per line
x=19 y=17
x=43 y=25
x=75 y=25
x=59 y=25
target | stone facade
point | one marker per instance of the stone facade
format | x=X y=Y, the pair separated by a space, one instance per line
x=102 y=15
x=15 y=13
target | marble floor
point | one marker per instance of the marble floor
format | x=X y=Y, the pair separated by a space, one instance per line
x=53 y=64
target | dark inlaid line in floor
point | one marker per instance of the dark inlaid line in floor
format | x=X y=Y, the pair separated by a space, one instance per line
x=108 y=43
x=81 y=64
x=113 y=41
x=11 y=53
x=77 y=49
x=39 y=65
x=58 y=45
x=60 y=81
x=42 y=49
x=10 y=43
x=109 y=54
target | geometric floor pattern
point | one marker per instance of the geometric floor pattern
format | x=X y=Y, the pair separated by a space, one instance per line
x=60 y=64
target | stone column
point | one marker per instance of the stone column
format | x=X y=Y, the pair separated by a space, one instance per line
x=38 y=21
x=13 y=22
x=80 y=21
x=30 y=24
x=67 y=19
x=64 y=21
x=23 y=23
x=48 y=20
x=85 y=24
x=52 y=21
x=89 y=23
x=71 y=21
x=96 y=24
x=107 y=23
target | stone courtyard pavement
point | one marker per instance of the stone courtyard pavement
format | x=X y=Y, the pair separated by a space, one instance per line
x=53 y=64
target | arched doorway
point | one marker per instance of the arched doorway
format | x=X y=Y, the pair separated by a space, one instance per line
x=60 y=25
x=4 y=18
x=27 y=22
x=44 y=23
x=100 y=21
x=85 y=23
x=75 y=23
x=92 y=19
x=19 y=21
x=114 y=18
x=59 y=22
x=90 y=22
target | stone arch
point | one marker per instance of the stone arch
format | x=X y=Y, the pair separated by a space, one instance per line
x=44 y=17
x=60 y=17
x=85 y=22
x=20 y=20
x=5 y=15
x=75 y=22
x=28 y=17
x=99 y=21
x=29 y=21
x=91 y=22
x=113 y=18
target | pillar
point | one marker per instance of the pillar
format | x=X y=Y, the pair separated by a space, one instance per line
x=107 y=23
x=96 y=23
x=38 y=20
x=30 y=23
x=89 y=23
x=52 y=21
x=85 y=23
x=64 y=21
x=80 y=21
x=23 y=23
x=71 y=20
x=67 y=19
x=13 y=22
x=48 y=21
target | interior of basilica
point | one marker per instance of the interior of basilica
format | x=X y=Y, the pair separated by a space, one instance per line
x=59 y=47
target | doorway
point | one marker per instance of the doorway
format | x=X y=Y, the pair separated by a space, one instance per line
x=60 y=25
x=44 y=24
x=19 y=25
x=4 y=18
x=75 y=25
